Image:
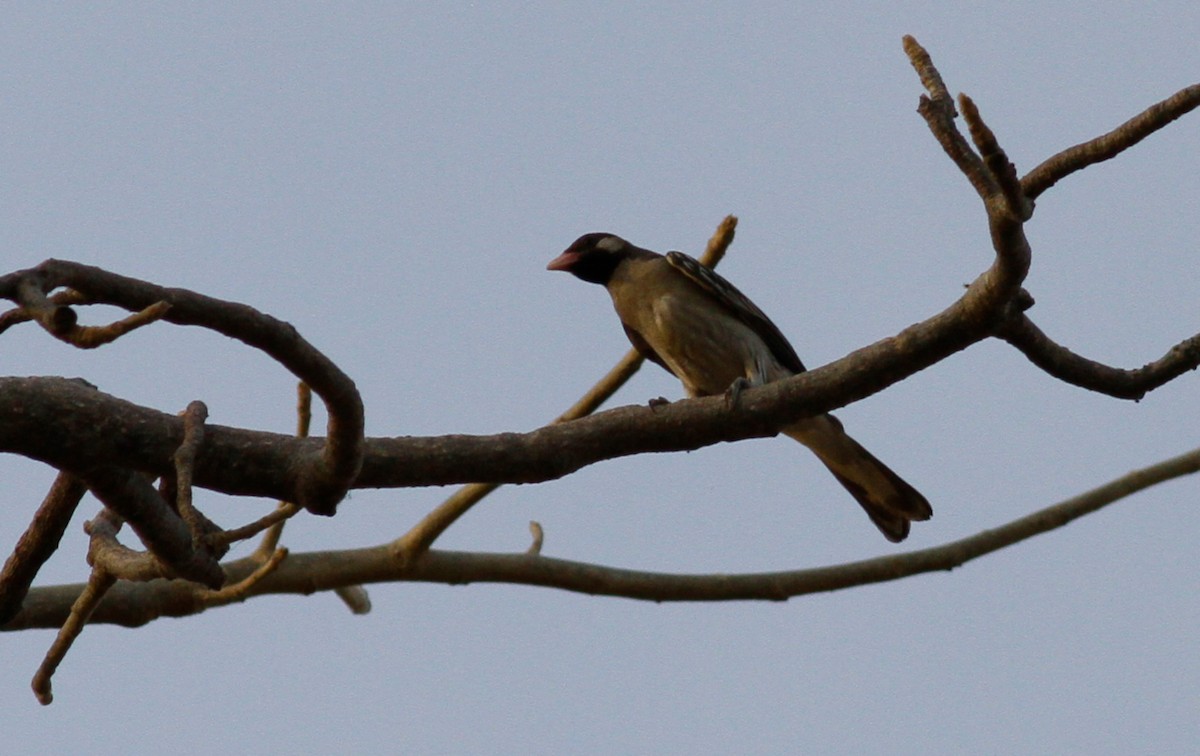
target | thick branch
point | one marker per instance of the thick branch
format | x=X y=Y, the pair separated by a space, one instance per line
x=322 y=476
x=72 y=426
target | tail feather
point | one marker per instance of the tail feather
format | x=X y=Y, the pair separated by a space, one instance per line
x=888 y=499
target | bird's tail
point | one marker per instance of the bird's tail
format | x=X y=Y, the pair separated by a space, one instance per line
x=890 y=502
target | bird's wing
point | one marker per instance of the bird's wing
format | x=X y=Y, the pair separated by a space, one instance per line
x=740 y=306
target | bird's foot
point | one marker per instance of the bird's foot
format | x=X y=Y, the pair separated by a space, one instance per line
x=659 y=402
x=733 y=394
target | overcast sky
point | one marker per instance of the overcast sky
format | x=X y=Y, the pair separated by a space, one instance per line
x=392 y=179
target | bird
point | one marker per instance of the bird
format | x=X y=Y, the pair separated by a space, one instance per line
x=685 y=317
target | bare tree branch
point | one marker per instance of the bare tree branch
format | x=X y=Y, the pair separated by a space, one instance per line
x=39 y=541
x=81 y=610
x=135 y=604
x=318 y=484
x=165 y=534
x=1001 y=170
x=938 y=111
x=1108 y=146
x=285 y=510
x=1072 y=368
x=23 y=315
x=241 y=589
x=185 y=460
x=539 y=538
x=105 y=552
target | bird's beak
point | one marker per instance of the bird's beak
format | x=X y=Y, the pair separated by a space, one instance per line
x=564 y=261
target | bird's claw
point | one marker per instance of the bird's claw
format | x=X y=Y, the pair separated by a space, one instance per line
x=659 y=402
x=733 y=394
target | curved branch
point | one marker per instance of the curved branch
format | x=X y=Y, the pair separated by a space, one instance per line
x=115 y=559
x=135 y=604
x=86 y=601
x=1108 y=146
x=1075 y=369
x=164 y=532
x=318 y=484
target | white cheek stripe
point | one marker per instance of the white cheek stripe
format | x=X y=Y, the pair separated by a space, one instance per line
x=609 y=244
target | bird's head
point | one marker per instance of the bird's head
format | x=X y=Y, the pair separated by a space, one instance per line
x=592 y=257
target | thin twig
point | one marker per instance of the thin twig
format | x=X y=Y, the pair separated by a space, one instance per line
x=930 y=78
x=239 y=590
x=1108 y=146
x=270 y=520
x=1077 y=370
x=22 y=315
x=55 y=319
x=97 y=585
x=355 y=597
x=90 y=337
x=285 y=509
x=135 y=604
x=105 y=552
x=539 y=538
x=185 y=463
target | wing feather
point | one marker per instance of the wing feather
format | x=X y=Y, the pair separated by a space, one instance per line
x=739 y=305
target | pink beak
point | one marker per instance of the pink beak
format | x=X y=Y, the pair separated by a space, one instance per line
x=563 y=261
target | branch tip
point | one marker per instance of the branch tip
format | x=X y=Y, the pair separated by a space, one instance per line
x=535 y=529
x=922 y=63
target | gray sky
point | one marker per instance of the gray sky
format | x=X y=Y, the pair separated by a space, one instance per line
x=392 y=179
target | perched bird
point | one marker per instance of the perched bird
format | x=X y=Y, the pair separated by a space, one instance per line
x=691 y=321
